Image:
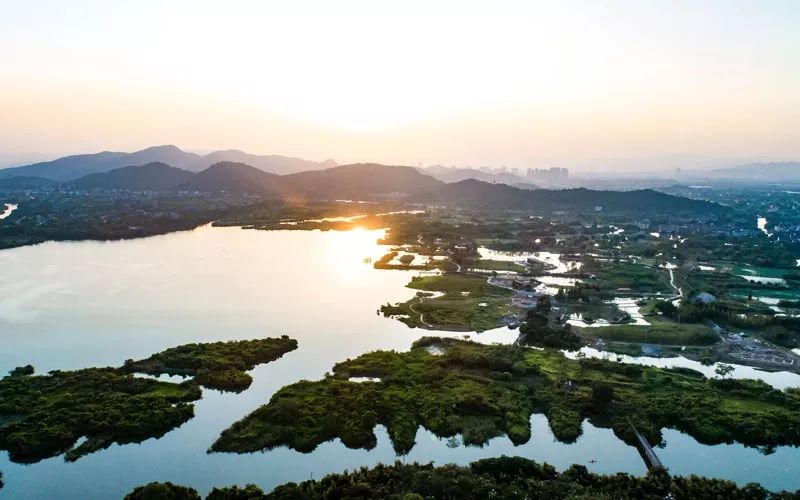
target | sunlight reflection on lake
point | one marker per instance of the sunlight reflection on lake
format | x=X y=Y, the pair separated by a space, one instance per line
x=72 y=305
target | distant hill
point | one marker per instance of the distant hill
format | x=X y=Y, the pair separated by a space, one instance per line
x=362 y=180
x=455 y=174
x=26 y=183
x=366 y=181
x=358 y=181
x=73 y=167
x=268 y=163
x=152 y=176
x=479 y=194
x=238 y=178
x=763 y=172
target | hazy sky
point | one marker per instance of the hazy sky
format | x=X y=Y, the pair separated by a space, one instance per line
x=470 y=83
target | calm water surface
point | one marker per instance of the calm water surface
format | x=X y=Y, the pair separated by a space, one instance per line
x=72 y=305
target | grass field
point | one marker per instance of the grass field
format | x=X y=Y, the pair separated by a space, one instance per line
x=635 y=277
x=660 y=332
x=499 y=265
x=467 y=303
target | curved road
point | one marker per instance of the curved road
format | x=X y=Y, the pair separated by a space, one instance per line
x=678 y=290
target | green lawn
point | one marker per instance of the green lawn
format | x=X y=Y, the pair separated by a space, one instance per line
x=468 y=303
x=659 y=332
x=635 y=277
x=499 y=265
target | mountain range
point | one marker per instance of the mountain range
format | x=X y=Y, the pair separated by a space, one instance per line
x=363 y=181
x=370 y=181
x=356 y=181
x=69 y=168
x=483 y=195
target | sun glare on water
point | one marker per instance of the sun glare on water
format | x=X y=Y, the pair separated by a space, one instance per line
x=349 y=254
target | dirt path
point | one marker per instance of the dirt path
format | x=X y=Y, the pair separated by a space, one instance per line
x=678 y=290
x=421 y=317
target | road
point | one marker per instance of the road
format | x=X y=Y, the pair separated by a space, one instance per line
x=678 y=290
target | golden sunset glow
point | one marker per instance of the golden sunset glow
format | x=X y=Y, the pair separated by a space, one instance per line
x=521 y=84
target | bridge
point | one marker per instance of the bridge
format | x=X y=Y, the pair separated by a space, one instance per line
x=645 y=450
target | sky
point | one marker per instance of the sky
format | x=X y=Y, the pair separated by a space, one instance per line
x=587 y=84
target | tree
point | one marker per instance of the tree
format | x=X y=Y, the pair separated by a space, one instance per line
x=602 y=393
x=163 y=491
x=406 y=259
x=723 y=370
x=249 y=492
x=543 y=305
x=21 y=371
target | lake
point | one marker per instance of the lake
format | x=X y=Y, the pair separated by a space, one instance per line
x=75 y=304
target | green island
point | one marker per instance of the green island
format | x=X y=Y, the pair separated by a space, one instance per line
x=42 y=416
x=45 y=415
x=215 y=365
x=455 y=387
x=501 y=478
x=461 y=302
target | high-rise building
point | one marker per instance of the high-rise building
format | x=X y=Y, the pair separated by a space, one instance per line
x=553 y=175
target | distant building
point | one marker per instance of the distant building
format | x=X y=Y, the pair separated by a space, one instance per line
x=704 y=298
x=552 y=175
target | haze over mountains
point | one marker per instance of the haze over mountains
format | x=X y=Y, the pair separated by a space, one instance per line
x=73 y=167
x=501 y=196
x=358 y=181
x=762 y=172
x=366 y=181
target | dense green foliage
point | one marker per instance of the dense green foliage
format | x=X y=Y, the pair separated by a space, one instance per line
x=511 y=478
x=217 y=365
x=42 y=416
x=451 y=386
x=22 y=371
x=497 y=478
x=162 y=491
x=249 y=492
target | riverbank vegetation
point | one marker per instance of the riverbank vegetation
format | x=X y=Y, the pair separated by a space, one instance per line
x=481 y=391
x=162 y=491
x=499 y=478
x=216 y=365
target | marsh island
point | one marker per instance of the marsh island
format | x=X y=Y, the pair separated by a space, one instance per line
x=454 y=387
